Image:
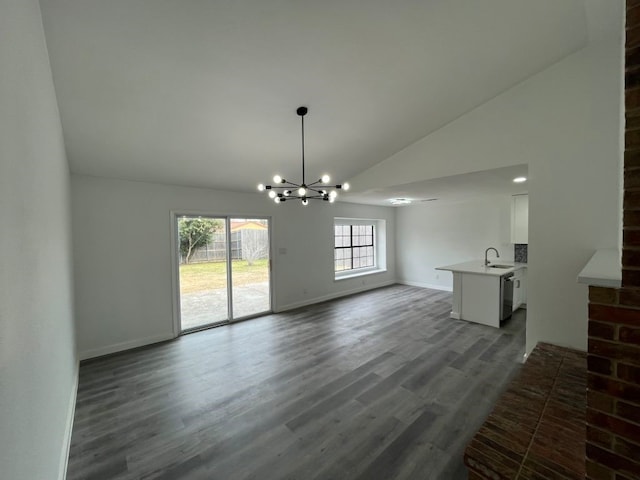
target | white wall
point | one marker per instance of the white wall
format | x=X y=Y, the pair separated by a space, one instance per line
x=565 y=124
x=38 y=365
x=123 y=258
x=432 y=235
x=574 y=195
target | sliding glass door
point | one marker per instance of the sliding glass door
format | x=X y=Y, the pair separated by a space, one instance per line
x=224 y=269
x=250 y=267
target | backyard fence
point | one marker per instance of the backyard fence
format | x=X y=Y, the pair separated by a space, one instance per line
x=246 y=244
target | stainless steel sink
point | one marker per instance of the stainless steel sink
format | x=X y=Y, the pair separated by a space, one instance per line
x=500 y=266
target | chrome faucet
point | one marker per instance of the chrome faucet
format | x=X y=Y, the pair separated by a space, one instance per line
x=486 y=261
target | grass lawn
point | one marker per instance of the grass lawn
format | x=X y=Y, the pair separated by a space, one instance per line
x=207 y=276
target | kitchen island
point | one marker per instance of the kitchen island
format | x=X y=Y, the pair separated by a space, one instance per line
x=486 y=294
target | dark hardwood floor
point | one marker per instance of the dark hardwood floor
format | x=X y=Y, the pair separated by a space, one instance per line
x=380 y=385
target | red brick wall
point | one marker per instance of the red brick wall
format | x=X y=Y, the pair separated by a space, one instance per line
x=613 y=398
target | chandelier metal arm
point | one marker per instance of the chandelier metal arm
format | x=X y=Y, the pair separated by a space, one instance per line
x=311 y=186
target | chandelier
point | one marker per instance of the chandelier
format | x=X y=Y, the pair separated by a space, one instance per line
x=284 y=190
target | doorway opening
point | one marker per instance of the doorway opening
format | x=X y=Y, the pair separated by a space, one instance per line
x=223 y=269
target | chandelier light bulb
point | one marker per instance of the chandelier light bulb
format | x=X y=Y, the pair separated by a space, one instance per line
x=325 y=178
x=302 y=191
x=261 y=187
x=287 y=193
x=305 y=202
x=277 y=199
x=333 y=194
x=277 y=179
x=345 y=186
x=332 y=199
x=272 y=194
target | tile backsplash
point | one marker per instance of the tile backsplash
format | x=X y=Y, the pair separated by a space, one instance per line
x=520 y=252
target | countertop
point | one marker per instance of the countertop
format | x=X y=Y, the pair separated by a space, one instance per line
x=477 y=266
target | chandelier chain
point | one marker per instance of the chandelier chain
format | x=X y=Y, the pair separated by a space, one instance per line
x=302 y=118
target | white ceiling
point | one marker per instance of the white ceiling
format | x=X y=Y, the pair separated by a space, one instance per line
x=203 y=93
x=449 y=190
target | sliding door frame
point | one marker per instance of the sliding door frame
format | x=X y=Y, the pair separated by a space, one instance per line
x=175 y=266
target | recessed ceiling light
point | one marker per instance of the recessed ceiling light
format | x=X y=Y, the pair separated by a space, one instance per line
x=399 y=201
x=520 y=179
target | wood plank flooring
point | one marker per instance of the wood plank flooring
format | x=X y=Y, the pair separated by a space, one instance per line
x=379 y=385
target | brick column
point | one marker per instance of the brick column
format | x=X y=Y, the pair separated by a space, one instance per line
x=613 y=398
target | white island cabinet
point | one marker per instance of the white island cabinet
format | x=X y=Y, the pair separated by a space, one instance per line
x=519 y=288
x=477 y=291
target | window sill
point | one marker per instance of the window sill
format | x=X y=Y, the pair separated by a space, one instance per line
x=362 y=273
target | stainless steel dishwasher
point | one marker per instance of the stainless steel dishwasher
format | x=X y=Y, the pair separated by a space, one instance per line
x=506 y=296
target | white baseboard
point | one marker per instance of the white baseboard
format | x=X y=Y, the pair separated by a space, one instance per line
x=71 y=410
x=331 y=296
x=426 y=285
x=119 y=347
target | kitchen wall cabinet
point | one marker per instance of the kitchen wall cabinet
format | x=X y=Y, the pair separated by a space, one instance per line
x=520 y=219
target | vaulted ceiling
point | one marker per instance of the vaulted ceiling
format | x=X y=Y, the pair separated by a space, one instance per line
x=204 y=92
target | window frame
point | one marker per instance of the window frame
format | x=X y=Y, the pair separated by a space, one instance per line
x=378 y=244
x=353 y=246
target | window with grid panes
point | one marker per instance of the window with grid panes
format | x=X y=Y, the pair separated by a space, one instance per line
x=354 y=247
